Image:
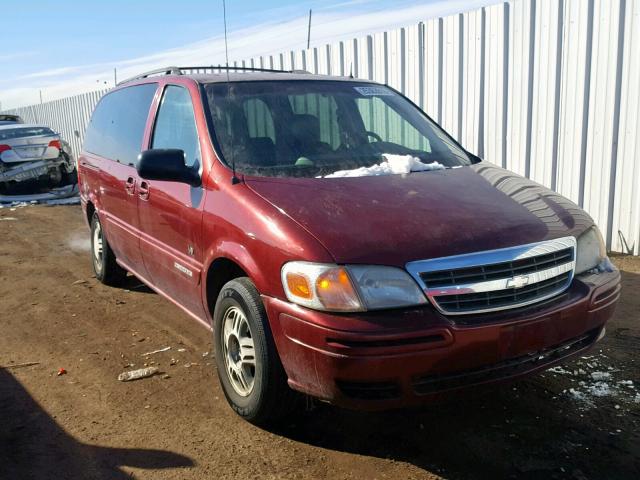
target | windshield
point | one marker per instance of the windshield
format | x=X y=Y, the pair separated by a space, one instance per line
x=316 y=128
x=21 y=132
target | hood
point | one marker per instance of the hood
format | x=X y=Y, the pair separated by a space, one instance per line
x=395 y=219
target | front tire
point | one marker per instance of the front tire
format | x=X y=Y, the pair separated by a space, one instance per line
x=251 y=375
x=103 y=258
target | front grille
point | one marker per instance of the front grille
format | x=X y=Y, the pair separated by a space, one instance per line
x=472 y=302
x=431 y=383
x=497 y=279
x=462 y=276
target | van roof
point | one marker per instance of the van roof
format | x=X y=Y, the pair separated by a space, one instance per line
x=261 y=76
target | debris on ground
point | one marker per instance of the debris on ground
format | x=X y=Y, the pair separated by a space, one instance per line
x=67 y=195
x=157 y=351
x=79 y=282
x=61 y=371
x=21 y=365
x=137 y=374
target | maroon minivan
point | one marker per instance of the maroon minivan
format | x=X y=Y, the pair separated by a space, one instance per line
x=336 y=240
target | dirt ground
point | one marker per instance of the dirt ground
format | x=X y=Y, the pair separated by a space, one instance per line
x=579 y=421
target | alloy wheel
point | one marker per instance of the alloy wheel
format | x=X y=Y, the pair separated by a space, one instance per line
x=238 y=351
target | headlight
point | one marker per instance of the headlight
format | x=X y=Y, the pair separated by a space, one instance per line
x=350 y=288
x=591 y=251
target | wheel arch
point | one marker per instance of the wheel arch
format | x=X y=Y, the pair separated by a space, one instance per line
x=90 y=210
x=221 y=270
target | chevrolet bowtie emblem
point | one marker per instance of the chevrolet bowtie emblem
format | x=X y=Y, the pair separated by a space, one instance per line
x=518 y=282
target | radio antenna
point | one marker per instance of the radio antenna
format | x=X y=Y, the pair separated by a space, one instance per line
x=309 y=31
x=234 y=178
x=226 y=47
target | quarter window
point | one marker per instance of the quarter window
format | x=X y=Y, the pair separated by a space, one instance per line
x=176 y=126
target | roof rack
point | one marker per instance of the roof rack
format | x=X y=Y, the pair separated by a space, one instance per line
x=204 y=69
x=150 y=73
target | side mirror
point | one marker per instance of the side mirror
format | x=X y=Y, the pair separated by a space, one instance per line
x=166 y=164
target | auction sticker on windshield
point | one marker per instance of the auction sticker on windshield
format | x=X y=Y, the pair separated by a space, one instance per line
x=370 y=91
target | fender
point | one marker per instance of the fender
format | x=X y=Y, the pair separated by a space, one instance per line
x=237 y=253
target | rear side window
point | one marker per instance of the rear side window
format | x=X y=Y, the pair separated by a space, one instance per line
x=176 y=125
x=118 y=122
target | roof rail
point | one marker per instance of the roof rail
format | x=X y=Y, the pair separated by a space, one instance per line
x=204 y=69
x=157 y=71
x=234 y=68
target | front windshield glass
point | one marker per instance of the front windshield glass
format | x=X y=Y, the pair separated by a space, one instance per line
x=309 y=128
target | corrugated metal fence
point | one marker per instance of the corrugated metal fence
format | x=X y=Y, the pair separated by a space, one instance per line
x=66 y=116
x=549 y=89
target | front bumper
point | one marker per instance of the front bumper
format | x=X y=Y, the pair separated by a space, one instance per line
x=390 y=359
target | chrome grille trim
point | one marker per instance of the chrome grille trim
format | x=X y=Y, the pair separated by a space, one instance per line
x=499 y=257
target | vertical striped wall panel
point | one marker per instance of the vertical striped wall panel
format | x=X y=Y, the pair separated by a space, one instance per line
x=625 y=221
x=549 y=89
x=603 y=108
x=496 y=52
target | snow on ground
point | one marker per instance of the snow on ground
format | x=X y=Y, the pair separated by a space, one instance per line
x=13 y=205
x=599 y=389
x=559 y=370
x=392 y=165
x=594 y=380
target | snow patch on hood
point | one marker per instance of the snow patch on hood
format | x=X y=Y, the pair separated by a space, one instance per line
x=392 y=165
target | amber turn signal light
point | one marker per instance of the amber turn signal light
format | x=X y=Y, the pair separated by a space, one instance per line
x=299 y=285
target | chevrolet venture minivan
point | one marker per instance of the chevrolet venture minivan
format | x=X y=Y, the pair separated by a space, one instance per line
x=335 y=239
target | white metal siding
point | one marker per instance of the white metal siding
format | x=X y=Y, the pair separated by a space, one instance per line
x=549 y=89
x=626 y=208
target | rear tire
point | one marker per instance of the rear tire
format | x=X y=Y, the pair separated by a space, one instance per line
x=103 y=258
x=69 y=178
x=251 y=375
x=69 y=171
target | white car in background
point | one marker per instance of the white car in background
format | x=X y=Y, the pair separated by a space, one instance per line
x=6 y=118
x=32 y=157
